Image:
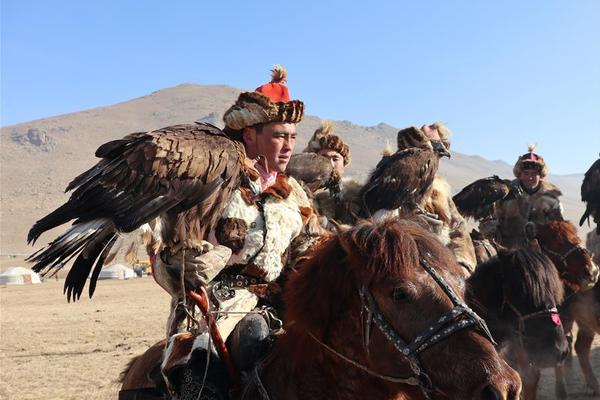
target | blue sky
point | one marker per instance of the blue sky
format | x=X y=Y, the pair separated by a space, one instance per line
x=500 y=74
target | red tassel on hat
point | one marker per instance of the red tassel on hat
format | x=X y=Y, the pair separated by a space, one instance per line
x=276 y=90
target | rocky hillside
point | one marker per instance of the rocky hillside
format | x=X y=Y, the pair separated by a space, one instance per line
x=40 y=157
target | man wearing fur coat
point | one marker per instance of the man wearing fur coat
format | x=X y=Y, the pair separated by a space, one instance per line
x=444 y=220
x=266 y=222
x=533 y=199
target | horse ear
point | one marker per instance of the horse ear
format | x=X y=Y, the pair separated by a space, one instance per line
x=530 y=231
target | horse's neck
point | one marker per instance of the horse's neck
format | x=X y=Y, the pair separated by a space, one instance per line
x=316 y=375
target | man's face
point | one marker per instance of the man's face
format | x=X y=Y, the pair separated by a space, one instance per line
x=337 y=161
x=530 y=178
x=275 y=142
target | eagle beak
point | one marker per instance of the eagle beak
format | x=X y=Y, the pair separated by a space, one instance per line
x=439 y=148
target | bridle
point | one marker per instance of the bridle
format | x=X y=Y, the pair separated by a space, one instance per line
x=562 y=257
x=551 y=312
x=458 y=318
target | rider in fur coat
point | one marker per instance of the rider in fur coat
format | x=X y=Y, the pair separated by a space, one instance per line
x=533 y=199
x=326 y=143
x=267 y=221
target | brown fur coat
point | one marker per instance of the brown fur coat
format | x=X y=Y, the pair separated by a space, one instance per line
x=511 y=216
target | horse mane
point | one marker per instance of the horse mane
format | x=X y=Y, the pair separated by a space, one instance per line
x=128 y=368
x=322 y=286
x=530 y=271
x=512 y=272
x=558 y=229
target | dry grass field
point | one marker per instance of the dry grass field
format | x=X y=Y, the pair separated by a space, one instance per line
x=53 y=350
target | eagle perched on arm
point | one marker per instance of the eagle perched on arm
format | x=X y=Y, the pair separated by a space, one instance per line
x=477 y=200
x=182 y=173
x=590 y=194
x=178 y=179
x=404 y=177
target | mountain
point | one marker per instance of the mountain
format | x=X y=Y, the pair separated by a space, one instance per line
x=40 y=157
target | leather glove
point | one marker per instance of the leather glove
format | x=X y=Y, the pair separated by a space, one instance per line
x=199 y=266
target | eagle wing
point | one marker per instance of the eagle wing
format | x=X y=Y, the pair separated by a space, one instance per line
x=590 y=194
x=182 y=173
x=477 y=199
x=314 y=170
x=402 y=178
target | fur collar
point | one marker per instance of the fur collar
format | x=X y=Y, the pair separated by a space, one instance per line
x=280 y=190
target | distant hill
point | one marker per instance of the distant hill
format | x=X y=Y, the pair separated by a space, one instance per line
x=40 y=157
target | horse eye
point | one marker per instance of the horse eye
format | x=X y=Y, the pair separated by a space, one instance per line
x=398 y=295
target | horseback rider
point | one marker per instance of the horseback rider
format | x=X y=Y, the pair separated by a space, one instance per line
x=265 y=224
x=326 y=143
x=532 y=199
x=441 y=217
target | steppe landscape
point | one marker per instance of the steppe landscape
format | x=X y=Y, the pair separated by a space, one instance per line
x=53 y=350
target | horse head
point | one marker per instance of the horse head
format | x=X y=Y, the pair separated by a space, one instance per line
x=518 y=293
x=383 y=303
x=559 y=240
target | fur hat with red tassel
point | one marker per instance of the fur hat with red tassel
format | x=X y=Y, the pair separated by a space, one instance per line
x=269 y=103
x=323 y=138
x=530 y=160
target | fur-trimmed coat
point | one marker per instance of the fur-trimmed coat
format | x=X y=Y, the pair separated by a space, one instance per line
x=260 y=228
x=511 y=215
x=450 y=227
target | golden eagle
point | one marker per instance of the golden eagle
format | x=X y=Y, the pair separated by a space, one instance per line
x=404 y=177
x=314 y=170
x=477 y=200
x=183 y=174
x=590 y=194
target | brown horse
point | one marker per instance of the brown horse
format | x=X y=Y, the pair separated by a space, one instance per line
x=382 y=274
x=560 y=242
x=583 y=308
x=377 y=312
x=517 y=293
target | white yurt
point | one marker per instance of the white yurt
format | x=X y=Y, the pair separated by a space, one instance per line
x=19 y=276
x=117 y=271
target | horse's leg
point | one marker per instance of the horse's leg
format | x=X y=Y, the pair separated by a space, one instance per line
x=560 y=387
x=583 y=347
x=568 y=321
x=530 y=378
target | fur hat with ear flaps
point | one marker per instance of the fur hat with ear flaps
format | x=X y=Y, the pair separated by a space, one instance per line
x=323 y=138
x=530 y=160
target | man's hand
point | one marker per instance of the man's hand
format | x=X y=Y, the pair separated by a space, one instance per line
x=199 y=266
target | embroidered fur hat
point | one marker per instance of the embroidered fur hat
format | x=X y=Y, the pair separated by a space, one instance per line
x=530 y=160
x=413 y=136
x=323 y=138
x=253 y=108
x=269 y=103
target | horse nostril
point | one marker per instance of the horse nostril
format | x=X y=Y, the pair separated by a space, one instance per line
x=490 y=393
